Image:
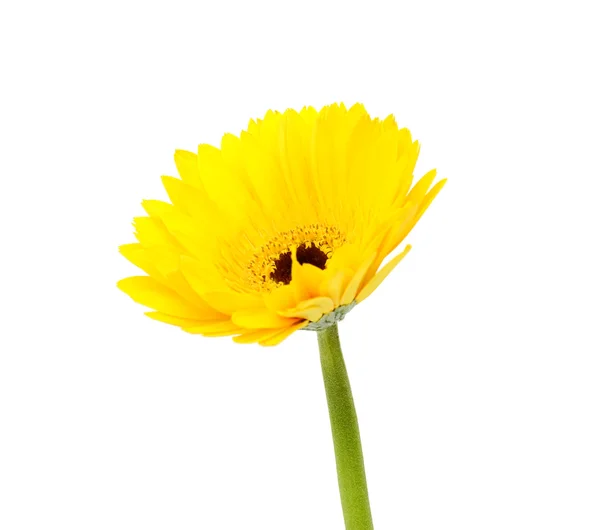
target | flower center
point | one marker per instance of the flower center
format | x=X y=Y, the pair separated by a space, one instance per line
x=305 y=253
x=271 y=266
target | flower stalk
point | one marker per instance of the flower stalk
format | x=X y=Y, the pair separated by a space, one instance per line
x=352 y=480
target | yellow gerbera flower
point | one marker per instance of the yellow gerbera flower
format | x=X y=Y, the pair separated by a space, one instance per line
x=282 y=228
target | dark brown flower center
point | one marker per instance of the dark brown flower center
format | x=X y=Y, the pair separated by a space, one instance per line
x=304 y=254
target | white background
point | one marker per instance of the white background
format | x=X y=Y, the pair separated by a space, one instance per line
x=475 y=368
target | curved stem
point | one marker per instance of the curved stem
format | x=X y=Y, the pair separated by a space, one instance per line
x=346 y=437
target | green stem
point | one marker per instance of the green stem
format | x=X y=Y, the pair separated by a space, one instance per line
x=346 y=437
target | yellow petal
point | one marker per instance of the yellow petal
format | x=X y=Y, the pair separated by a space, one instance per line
x=348 y=256
x=310 y=313
x=151 y=231
x=149 y=292
x=263 y=174
x=429 y=198
x=381 y=275
x=225 y=333
x=400 y=226
x=312 y=309
x=402 y=229
x=261 y=319
x=321 y=301
x=282 y=298
x=136 y=254
x=201 y=278
x=277 y=338
x=187 y=166
x=191 y=201
x=156 y=208
x=174 y=321
x=334 y=287
x=352 y=288
x=225 y=187
x=306 y=279
x=176 y=281
x=230 y=302
x=249 y=337
x=162 y=263
x=420 y=188
x=225 y=327
x=293 y=161
x=268 y=337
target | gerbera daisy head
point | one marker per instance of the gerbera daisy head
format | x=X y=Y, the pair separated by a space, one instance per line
x=283 y=227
